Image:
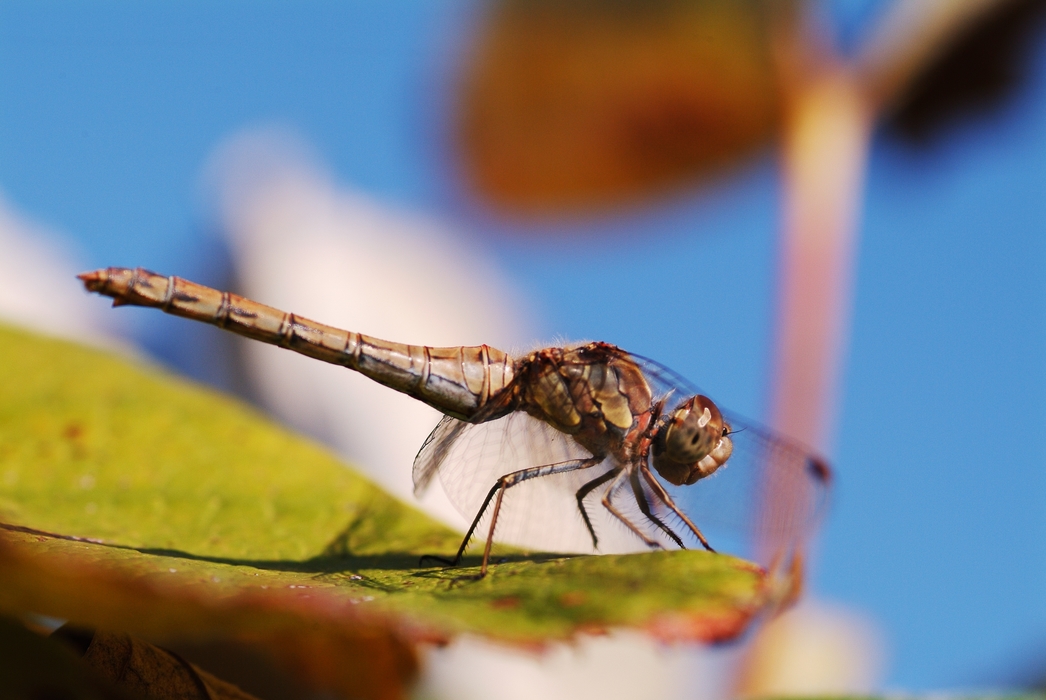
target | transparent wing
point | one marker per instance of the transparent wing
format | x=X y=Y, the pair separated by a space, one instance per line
x=434 y=451
x=768 y=497
x=541 y=513
x=764 y=501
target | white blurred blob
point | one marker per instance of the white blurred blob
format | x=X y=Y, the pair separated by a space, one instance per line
x=622 y=665
x=811 y=650
x=301 y=243
x=38 y=285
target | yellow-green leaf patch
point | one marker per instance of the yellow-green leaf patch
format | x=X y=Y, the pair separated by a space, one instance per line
x=143 y=503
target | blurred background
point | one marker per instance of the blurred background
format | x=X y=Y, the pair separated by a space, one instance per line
x=829 y=215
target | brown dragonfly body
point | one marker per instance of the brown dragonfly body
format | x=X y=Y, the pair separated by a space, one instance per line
x=600 y=397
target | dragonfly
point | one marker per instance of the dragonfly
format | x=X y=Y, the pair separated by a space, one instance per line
x=590 y=436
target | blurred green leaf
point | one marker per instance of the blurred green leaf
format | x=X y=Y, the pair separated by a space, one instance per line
x=136 y=502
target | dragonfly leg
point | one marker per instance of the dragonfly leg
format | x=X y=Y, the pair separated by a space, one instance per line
x=644 y=506
x=468 y=535
x=582 y=493
x=667 y=500
x=498 y=489
x=608 y=498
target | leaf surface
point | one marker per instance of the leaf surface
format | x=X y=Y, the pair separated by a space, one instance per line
x=136 y=502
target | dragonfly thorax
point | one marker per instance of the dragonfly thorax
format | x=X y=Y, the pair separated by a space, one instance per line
x=692 y=442
x=593 y=392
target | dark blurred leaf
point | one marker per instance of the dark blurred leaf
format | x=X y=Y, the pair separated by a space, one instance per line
x=35 y=668
x=977 y=72
x=573 y=105
x=248 y=666
x=147 y=671
x=140 y=504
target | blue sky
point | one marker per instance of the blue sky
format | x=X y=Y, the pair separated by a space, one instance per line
x=109 y=112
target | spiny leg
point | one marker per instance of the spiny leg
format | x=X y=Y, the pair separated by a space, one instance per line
x=583 y=492
x=667 y=500
x=616 y=484
x=468 y=535
x=500 y=486
x=644 y=506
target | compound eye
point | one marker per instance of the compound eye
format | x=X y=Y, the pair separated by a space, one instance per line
x=693 y=431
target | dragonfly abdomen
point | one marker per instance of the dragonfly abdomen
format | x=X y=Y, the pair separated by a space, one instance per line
x=456 y=380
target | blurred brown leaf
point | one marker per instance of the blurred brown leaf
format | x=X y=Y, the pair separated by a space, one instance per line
x=149 y=672
x=33 y=667
x=586 y=104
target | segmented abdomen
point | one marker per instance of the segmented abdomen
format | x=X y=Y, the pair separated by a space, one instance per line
x=455 y=380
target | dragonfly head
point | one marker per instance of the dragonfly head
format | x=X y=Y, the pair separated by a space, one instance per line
x=692 y=443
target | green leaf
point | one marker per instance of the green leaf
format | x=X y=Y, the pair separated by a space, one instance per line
x=141 y=503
